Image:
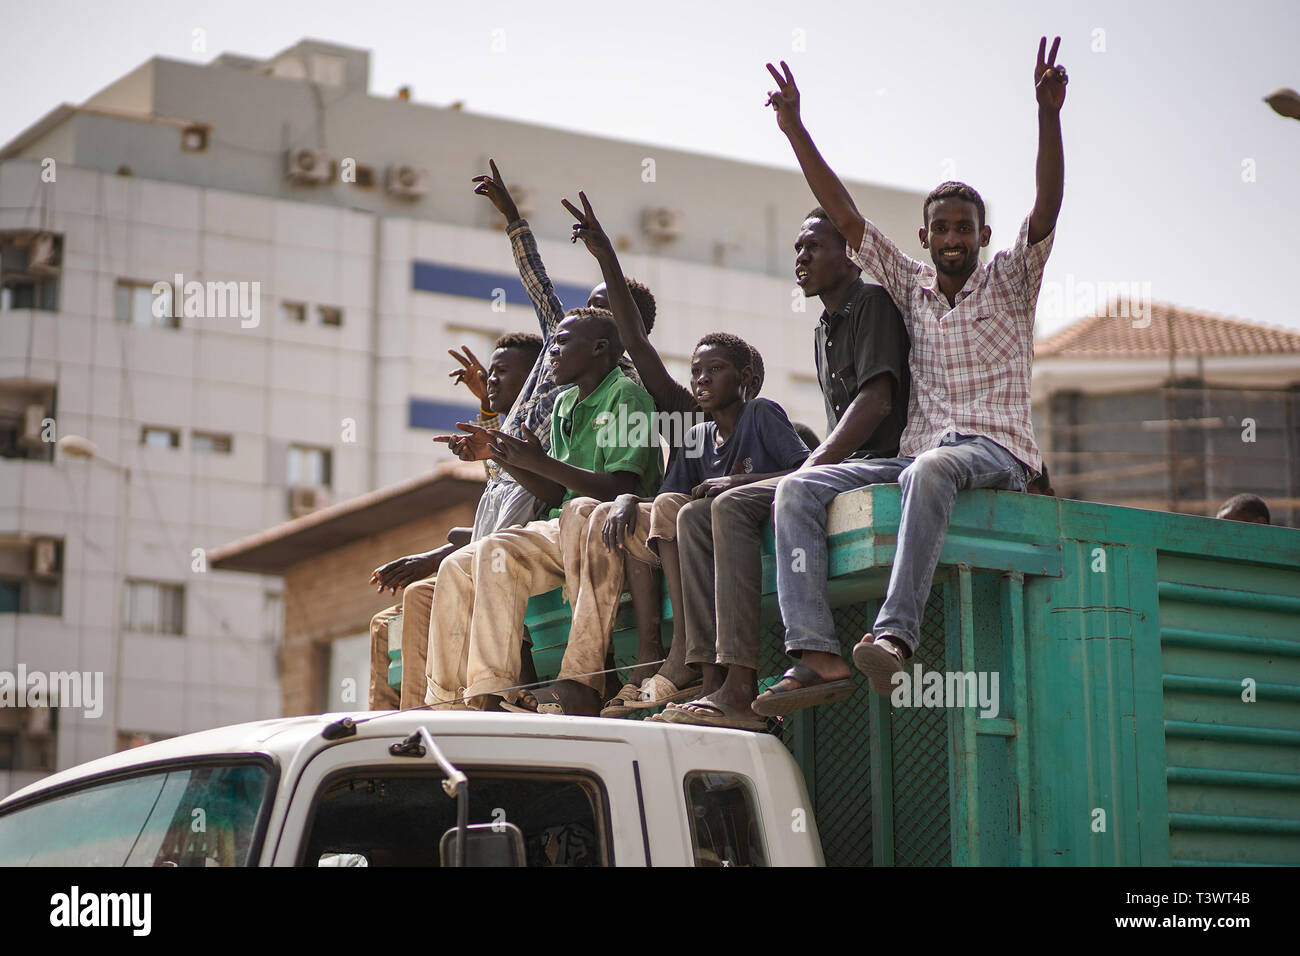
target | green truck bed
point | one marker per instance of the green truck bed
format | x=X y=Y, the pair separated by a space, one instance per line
x=1148 y=689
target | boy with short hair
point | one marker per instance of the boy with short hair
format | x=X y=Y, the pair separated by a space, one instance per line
x=745 y=441
x=678 y=403
x=483 y=589
x=416 y=575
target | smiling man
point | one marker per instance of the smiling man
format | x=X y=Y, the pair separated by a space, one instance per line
x=972 y=332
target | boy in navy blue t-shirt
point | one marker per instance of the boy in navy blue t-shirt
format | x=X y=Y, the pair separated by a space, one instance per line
x=746 y=441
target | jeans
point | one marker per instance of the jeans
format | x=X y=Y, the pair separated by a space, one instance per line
x=930 y=483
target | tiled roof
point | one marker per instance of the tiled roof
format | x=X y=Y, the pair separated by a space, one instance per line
x=1193 y=333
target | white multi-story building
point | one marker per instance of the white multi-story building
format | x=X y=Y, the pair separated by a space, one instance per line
x=347 y=223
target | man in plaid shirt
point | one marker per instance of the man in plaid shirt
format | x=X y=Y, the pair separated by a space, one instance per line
x=972 y=332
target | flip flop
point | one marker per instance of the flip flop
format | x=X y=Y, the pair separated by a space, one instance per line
x=515 y=708
x=545 y=701
x=661 y=691
x=661 y=716
x=879 y=662
x=736 y=720
x=815 y=690
x=618 y=704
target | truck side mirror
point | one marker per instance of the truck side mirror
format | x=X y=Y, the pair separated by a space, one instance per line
x=489 y=844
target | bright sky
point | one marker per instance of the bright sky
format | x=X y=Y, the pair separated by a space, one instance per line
x=1164 y=121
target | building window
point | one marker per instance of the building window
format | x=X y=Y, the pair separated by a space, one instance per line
x=155 y=436
x=308 y=466
x=135 y=303
x=28 y=738
x=154 y=607
x=273 y=617
x=31 y=575
x=30 y=263
x=27 y=427
x=293 y=311
x=211 y=442
x=329 y=315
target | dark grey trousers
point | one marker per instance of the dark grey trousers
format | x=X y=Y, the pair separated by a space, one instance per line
x=719 y=544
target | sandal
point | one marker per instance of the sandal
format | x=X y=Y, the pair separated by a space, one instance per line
x=657 y=691
x=618 y=704
x=733 y=719
x=815 y=690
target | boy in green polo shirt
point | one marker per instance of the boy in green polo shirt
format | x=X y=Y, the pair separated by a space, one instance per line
x=483 y=589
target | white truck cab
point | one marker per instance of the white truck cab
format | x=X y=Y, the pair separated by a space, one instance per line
x=363 y=789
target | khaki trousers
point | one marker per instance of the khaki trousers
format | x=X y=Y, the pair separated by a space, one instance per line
x=416 y=607
x=593 y=575
x=479 y=607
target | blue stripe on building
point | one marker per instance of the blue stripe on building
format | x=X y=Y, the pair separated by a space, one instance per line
x=478 y=284
x=441 y=416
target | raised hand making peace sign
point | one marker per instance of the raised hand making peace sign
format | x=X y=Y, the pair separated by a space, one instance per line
x=1049 y=79
x=494 y=187
x=587 y=228
x=784 y=99
x=471 y=374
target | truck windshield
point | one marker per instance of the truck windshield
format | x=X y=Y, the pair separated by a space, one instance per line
x=173 y=816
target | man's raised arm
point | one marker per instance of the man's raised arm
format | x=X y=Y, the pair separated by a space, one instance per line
x=826 y=186
x=631 y=329
x=532 y=273
x=1049 y=88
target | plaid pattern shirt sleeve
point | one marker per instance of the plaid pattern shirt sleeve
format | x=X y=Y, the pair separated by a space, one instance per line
x=492 y=420
x=532 y=273
x=894 y=269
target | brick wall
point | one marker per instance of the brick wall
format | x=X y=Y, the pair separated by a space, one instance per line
x=326 y=598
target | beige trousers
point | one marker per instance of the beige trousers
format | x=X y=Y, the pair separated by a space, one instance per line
x=416 y=607
x=593 y=575
x=478 y=610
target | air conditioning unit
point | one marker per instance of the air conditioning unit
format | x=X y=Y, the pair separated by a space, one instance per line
x=45 y=557
x=33 y=426
x=304 y=499
x=306 y=165
x=41 y=256
x=663 y=224
x=407 y=182
x=39 y=722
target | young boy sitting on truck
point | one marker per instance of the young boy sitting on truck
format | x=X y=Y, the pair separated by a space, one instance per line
x=678 y=404
x=416 y=575
x=483 y=589
x=972 y=331
x=746 y=441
